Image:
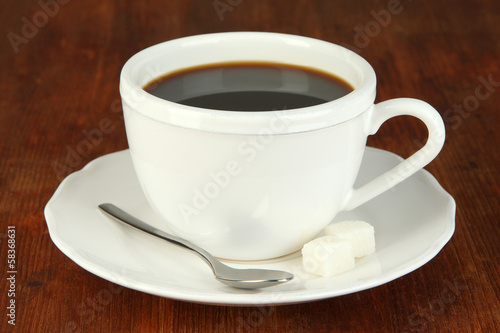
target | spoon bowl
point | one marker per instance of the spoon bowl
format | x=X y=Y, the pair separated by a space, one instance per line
x=237 y=278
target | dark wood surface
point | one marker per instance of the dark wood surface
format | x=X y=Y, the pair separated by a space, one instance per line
x=59 y=72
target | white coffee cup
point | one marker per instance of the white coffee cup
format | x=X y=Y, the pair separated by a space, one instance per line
x=258 y=185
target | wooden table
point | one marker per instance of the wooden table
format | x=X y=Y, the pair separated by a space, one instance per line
x=60 y=64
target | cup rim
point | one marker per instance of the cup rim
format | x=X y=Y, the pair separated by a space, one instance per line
x=136 y=99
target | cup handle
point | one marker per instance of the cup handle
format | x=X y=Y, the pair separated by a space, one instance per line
x=384 y=111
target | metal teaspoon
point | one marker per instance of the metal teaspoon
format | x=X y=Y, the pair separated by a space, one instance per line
x=238 y=278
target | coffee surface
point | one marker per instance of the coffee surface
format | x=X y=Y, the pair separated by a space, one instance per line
x=249 y=87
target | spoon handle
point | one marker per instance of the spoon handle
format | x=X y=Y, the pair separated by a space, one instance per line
x=130 y=220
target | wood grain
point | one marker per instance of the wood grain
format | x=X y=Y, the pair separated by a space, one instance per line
x=60 y=62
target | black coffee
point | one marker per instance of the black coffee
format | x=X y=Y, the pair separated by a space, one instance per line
x=249 y=87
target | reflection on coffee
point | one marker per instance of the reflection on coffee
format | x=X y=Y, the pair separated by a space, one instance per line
x=249 y=86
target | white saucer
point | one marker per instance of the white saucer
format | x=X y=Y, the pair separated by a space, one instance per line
x=412 y=223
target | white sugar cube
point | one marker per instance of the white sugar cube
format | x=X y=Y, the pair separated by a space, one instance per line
x=361 y=235
x=328 y=256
